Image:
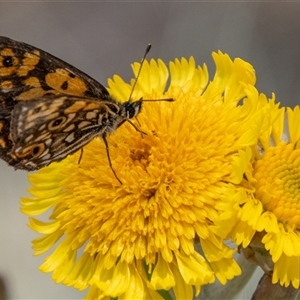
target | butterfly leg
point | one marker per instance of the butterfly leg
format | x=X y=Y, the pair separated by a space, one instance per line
x=136 y=128
x=108 y=157
x=80 y=156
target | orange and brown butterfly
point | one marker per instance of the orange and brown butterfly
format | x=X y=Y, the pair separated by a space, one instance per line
x=50 y=109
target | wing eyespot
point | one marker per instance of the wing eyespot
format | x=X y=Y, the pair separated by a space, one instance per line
x=36 y=150
x=8 y=61
x=55 y=124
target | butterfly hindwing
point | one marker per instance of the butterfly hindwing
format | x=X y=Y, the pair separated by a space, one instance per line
x=52 y=127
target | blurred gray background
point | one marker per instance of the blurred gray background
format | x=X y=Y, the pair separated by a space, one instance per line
x=104 y=38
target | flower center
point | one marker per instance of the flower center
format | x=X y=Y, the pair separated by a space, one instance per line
x=278 y=182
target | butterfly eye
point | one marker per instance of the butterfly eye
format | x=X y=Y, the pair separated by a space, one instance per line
x=54 y=124
x=132 y=109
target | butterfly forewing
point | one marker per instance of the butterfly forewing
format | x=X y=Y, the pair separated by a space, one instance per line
x=27 y=72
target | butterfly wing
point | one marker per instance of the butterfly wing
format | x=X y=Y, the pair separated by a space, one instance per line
x=27 y=73
x=52 y=127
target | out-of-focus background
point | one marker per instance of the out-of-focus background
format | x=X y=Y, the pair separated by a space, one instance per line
x=104 y=38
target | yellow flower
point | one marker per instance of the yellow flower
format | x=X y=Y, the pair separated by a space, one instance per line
x=135 y=239
x=270 y=218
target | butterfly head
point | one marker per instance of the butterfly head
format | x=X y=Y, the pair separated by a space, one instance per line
x=130 y=110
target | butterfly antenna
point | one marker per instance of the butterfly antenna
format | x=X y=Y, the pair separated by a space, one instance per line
x=139 y=71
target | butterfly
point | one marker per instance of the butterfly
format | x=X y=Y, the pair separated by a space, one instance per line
x=50 y=109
